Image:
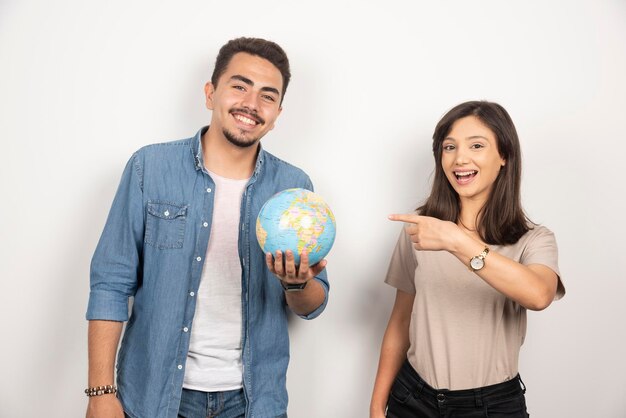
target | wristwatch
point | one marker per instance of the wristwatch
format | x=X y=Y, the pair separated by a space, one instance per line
x=293 y=287
x=478 y=261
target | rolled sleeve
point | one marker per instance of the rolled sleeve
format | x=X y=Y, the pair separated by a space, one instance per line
x=115 y=266
x=322 y=278
x=107 y=306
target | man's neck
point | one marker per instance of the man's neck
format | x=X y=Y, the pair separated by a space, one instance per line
x=226 y=159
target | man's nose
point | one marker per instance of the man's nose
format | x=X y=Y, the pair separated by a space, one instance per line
x=250 y=101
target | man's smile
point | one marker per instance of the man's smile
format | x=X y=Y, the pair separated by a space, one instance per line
x=246 y=117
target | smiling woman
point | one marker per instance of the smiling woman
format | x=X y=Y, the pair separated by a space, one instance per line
x=478 y=137
x=471 y=159
x=466 y=268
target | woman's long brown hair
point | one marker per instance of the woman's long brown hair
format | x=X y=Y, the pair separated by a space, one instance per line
x=501 y=220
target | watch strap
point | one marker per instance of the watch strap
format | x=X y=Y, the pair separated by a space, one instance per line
x=293 y=287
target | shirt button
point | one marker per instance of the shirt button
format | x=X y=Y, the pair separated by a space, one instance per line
x=185 y=329
x=191 y=294
x=180 y=367
x=166 y=213
x=205 y=224
x=208 y=190
x=198 y=258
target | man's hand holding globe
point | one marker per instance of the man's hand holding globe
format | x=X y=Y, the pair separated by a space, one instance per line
x=290 y=273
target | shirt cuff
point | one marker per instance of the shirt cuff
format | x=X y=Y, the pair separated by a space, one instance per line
x=104 y=306
x=320 y=308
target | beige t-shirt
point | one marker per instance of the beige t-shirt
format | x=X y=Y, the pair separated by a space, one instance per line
x=464 y=333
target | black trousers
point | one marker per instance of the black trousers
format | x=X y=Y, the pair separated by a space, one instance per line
x=411 y=397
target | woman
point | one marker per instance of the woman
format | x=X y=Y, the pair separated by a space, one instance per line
x=466 y=267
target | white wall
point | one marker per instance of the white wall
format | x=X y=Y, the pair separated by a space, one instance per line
x=84 y=84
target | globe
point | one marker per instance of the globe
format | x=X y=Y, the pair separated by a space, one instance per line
x=296 y=220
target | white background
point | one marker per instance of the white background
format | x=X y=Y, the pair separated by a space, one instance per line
x=84 y=84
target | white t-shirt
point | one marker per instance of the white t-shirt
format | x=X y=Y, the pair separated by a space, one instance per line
x=214 y=357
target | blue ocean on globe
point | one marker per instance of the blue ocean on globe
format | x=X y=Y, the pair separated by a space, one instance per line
x=296 y=220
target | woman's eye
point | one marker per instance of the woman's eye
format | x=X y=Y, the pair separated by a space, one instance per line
x=448 y=147
x=477 y=146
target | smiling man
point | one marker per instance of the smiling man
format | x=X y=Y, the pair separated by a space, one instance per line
x=207 y=336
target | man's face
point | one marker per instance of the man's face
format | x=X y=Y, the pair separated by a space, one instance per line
x=246 y=100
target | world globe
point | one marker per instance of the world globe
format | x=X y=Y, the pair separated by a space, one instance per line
x=296 y=220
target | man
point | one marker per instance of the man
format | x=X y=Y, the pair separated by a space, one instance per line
x=207 y=335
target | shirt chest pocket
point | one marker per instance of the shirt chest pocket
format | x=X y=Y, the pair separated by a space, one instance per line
x=165 y=224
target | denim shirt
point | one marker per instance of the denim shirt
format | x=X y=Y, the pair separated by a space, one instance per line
x=152 y=249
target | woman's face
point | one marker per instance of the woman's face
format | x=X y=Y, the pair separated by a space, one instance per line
x=470 y=159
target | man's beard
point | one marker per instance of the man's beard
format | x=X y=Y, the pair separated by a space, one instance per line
x=239 y=141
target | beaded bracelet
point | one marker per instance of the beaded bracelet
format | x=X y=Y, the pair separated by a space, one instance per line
x=100 y=390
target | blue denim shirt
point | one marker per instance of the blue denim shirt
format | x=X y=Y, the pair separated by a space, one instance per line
x=152 y=248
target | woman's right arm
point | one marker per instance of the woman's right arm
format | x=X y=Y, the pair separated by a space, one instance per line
x=392 y=352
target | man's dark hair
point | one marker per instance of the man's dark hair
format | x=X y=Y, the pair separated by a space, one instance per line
x=254 y=46
x=502 y=220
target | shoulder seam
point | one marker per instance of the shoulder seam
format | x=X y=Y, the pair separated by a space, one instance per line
x=138 y=169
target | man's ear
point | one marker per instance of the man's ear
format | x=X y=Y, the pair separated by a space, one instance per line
x=209 y=90
x=280 y=109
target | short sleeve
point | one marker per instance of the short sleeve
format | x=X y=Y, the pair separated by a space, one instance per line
x=401 y=272
x=541 y=249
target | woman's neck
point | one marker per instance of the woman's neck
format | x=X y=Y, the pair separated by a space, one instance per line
x=470 y=214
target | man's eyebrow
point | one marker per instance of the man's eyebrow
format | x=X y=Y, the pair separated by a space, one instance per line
x=249 y=82
x=271 y=90
x=242 y=79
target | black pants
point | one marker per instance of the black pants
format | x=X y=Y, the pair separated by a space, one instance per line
x=412 y=397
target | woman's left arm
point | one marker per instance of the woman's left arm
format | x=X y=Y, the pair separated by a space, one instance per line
x=533 y=286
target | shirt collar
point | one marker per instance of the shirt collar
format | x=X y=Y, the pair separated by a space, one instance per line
x=198 y=156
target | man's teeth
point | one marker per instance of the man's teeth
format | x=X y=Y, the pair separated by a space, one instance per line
x=245 y=120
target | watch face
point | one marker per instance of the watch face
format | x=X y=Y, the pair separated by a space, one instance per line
x=477 y=263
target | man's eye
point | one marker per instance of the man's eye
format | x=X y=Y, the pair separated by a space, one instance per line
x=242 y=88
x=269 y=98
